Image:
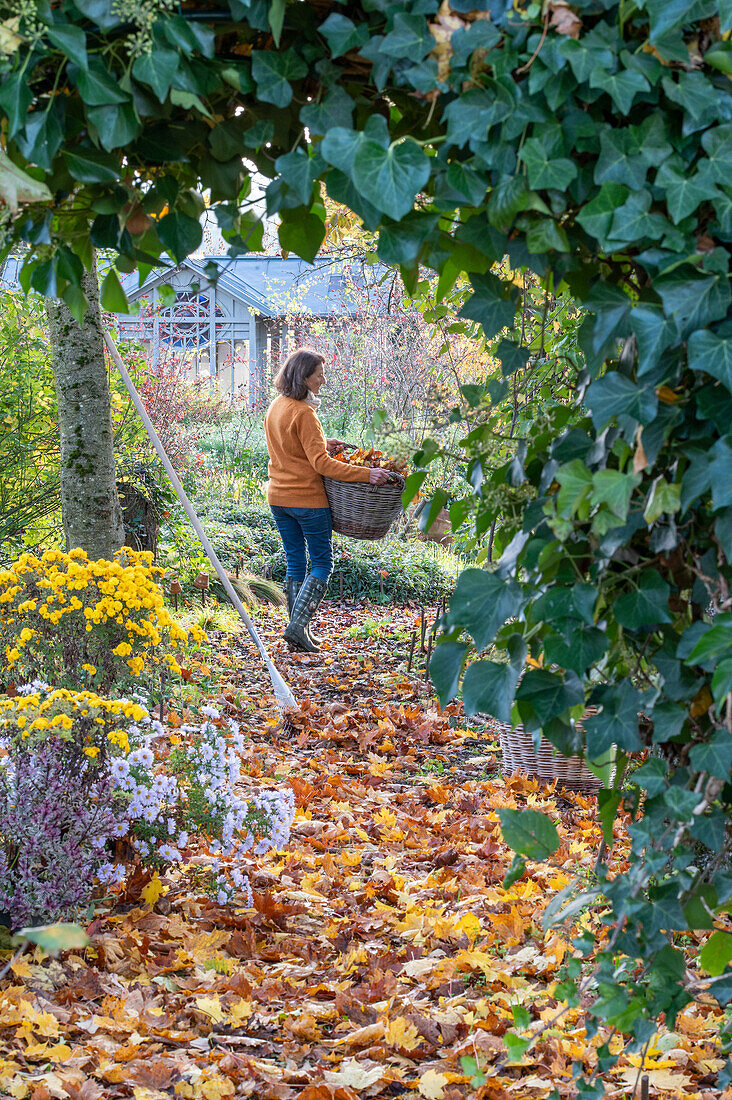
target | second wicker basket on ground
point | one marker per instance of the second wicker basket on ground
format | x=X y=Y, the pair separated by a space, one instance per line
x=364 y=511
x=546 y=765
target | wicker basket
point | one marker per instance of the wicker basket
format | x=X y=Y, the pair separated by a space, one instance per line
x=364 y=511
x=546 y=765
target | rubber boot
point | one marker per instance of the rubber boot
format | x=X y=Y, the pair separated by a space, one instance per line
x=307 y=602
x=292 y=587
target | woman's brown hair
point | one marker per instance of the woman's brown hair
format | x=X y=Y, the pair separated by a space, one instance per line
x=299 y=365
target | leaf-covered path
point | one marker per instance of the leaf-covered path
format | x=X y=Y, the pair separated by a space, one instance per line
x=383 y=957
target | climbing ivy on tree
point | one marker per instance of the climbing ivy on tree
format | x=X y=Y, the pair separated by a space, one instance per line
x=589 y=142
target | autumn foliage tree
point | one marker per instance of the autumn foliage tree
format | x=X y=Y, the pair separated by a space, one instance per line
x=589 y=143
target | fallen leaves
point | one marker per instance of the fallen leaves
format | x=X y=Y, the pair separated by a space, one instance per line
x=382 y=957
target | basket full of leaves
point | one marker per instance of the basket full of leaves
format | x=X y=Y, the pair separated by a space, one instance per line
x=364 y=511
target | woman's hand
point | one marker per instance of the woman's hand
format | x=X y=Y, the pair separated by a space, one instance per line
x=377 y=476
x=335 y=445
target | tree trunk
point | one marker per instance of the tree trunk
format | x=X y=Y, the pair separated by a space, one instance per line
x=90 y=506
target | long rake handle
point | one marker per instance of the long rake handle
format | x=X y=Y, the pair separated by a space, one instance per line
x=283 y=693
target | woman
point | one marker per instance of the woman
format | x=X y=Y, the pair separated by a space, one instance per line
x=298 y=459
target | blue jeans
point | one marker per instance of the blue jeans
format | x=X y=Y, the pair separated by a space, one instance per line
x=301 y=526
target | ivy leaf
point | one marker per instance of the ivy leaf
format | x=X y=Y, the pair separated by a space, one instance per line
x=684 y=191
x=529 y=832
x=693 y=298
x=715 y=756
x=97 y=87
x=713 y=354
x=718 y=145
x=716 y=953
x=116 y=124
x=611 y=306
x=622 y=87
x=596 y=216
x=492 y=304
x=585 y=647
x=654 y=333
x=157 y=70
x=512 y=357
x=615 y=395
x=336 y=110
x=272 y=73
x=482 y=603
x=720 y=472
x=179 y=234
x=633 y=221
x=488 y=687
x=112 y=296
x=613 y=488
x=646 y=605
x=70 y=40
x=54 y=937
x=617 y=723
x=663 y=497
x=471 y=115
x=301 y=232
x=299 y=171
x=91 y=166
x=390 y=178
x=544 y=171
x=410 y=37
x=544 y=695
x=446 y=665
x=342 y=34
x=15 y=99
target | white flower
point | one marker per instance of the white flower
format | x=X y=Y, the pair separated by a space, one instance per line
x=210 y=712
x=120 y=768
x=169 y=853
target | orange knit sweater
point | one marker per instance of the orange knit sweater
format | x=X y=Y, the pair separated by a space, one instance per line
x=298 y=456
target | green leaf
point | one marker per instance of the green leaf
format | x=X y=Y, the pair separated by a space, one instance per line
x=716 y=953
x=713 y=354
x=633 y=221
x=611 y=307
x=584 y=648
x=544 y=235
x=615 y=395
x=488 y=688
x=179 y=234
x=276 y=17
x=722 y=681
x=662 y=498
x=597 y=215
x=684 y=190
x=445 y=668
x=617 y=723
x=91 y=166
x=470 y=116
x=70 y=40
x=273 y=72
x=652 y=777
x=613 y=488
x=410 y=37
x=719 y=56
x=645 y=607
x=714 y=642
x=544 y=171
x=335 y=111
x=654 y=333
x=482 y=603
x=608 y=803
x=402 y=242
x=100 y=12
x=622 y=87
x=342 y=34
x=97 y=87
x=492 y=304
x=575 y=486
x=715 y=756
x=15 y=99
x=718 y=145
x=302 y=233
x=390 y=178
x=116 y=124
x=54 y=937
x=467 y=182
x=516 y=870
x=544 y=695
x=299 y=171
x=693 y=298
x=512 y=357
x=529 y=833
x=113 y=297
x=157 y=70
x=720 y=472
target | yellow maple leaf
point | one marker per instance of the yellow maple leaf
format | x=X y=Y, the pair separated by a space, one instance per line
x=59 y=1052
x=432 y=1085
x=354 y=1074
x=216 y=1088
x=240 y=1011
x=211 y=1006
x=470 y=925
x=152 y=891
x=401 y=1033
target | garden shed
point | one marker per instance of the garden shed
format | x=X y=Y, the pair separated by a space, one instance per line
x=245 y=312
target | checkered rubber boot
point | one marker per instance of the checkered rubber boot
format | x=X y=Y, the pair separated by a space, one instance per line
x=292 y=587
x=307 y=602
